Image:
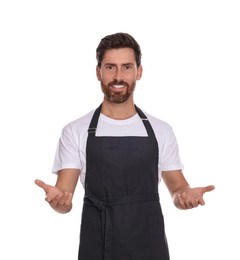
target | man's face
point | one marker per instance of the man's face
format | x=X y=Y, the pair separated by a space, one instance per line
x=118 y=74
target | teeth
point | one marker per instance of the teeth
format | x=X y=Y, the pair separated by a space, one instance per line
x=118 y=86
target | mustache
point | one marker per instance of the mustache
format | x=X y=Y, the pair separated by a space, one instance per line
x=116 y=82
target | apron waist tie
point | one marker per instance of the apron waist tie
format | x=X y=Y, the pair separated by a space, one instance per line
x=106 y=222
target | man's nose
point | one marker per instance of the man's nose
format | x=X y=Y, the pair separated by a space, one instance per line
x=118 y=75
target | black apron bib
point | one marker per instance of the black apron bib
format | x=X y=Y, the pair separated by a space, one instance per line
x=122 y=217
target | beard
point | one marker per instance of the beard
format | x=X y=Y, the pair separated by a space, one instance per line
x=116 y=96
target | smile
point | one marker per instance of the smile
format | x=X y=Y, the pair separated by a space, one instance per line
x=118 y=86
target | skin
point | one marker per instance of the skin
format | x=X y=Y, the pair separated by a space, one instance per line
x=118 y=75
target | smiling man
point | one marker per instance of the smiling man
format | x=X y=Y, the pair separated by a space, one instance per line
x=118 y=74
x=121 y=154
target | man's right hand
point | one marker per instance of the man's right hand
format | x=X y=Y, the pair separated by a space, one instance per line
x=59 y=200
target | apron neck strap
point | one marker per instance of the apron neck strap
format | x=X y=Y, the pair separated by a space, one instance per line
x=145 y=122
x=93 y=124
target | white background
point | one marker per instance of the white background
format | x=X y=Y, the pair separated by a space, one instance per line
x=191 y=61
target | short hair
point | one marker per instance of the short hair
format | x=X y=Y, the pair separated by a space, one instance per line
x=116 y=41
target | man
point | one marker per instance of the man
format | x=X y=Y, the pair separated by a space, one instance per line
x=120 y=154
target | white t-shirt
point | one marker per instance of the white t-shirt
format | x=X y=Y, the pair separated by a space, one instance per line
x=71 y=148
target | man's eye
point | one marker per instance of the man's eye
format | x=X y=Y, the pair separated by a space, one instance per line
x=109 y=67
x=127 y=67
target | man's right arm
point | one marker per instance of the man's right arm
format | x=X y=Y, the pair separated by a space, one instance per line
x=60 y=196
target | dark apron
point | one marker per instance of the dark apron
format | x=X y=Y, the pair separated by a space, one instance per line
x=122 y=217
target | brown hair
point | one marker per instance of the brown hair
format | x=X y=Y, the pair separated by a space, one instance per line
x=116 y=41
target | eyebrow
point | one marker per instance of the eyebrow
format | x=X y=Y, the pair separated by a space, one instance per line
x=114 y=64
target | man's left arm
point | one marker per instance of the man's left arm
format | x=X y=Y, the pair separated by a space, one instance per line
x=184 y=197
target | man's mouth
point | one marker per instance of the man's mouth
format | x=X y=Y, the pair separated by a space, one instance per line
x=118 y=86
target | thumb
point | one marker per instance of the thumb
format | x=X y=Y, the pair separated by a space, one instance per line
x=209 y=188
x=41 y=184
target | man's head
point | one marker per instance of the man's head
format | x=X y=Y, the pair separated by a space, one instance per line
x=119 y=67
x=117 y=41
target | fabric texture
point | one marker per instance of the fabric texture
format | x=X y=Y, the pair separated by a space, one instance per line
x=122 y=216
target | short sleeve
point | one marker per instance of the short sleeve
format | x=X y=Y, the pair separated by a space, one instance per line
x=67 y=152
x=170 y=158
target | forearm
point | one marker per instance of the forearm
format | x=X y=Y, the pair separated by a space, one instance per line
x=176 y=184
x=66 y=183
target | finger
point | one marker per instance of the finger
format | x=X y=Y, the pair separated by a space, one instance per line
x=69 y=198
x=47 y=199
x=63 y=199
x=66 y=199
x=181 y=203
x=52 y=196
x=54 y=201
x=188 y=201
x=47 y=188
x=40 y=183
x=189 y=205
x=201 y=202
x=195 y=204
x=209 y=188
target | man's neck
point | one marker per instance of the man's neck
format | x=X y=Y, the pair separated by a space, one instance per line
x=118 y=111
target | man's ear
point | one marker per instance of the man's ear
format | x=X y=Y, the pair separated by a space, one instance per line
x=139 y=72
x=98 y=74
